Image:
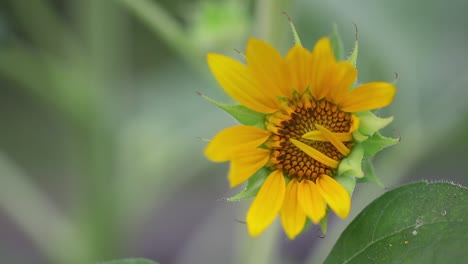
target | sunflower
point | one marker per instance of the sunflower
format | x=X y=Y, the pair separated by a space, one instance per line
x=310 y=118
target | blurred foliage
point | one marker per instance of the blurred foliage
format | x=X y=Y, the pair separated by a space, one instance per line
x=129 y=261
x=99 y=151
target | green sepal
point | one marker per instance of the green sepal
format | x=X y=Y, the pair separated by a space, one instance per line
x=370 y=123
x=241 y=113
x=354 y=54
x=349 y=183
x=369 y=173
x=307 y=225
x=376 y=143
x=358 y=137
x=336 y=43
x=351 y=165
x=252 y=186
x=324 y=223
x=297 y=40
x=347 y=180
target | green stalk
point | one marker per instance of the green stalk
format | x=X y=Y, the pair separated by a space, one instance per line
x=99 y=208
x=104 y=29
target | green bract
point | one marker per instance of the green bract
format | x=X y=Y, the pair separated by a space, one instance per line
x=241 y=113
x=252 y=186
x=351 y=165
x=371 y=123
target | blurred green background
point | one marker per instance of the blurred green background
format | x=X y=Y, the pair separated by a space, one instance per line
x=101 y=129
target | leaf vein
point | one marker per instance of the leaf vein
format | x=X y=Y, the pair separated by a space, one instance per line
x=394 y=233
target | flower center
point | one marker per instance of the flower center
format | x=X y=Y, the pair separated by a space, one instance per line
x=309 y=137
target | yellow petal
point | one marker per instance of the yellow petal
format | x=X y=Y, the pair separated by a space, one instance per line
x=355 y=122
x=334 y=140
x=267 y=204
x=368 y=97
x=269 y=69
x=334 y=194
x=234 y=139
x=321 y=60
x=244 y=164
x=311 y=201
x=338 y=80
x=298 y=60
x=315 y=154
x=293 y=217
x=237 y=81
x=318 y=136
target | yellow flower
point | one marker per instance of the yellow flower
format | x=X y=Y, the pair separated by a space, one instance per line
x=308 y=130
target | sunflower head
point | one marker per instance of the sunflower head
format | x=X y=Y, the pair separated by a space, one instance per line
x=305 y=130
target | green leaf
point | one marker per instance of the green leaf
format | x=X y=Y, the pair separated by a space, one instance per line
x=337 y=44
x=252 y=186
x=416 y=223
x=376 y=143
x=370 y=123
x=242 y=114
x=129 y=261
x=369 y=173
